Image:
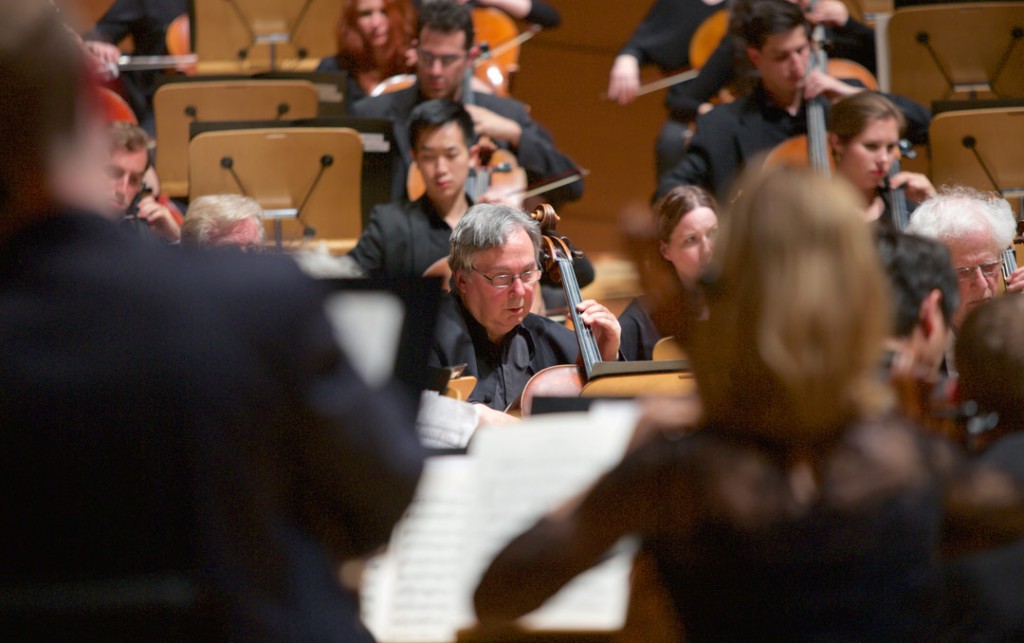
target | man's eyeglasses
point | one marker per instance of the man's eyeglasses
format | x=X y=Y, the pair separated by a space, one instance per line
x=988 y=269
x=505 y=280
x=427 y=59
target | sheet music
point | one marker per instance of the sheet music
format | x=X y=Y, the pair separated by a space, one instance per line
x=468 y=507
x=417 y=592
x=444 y=421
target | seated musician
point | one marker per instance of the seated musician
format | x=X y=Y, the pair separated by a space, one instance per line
x=864 y=134
x=445 y=54
x=662 y=39
x=687 y=228
x=535 y=12
x=375 y=41
x=223 y=220
x=801 y=510
x=406 y=238
x=924 y=296
x=487 y=324
x=976 y=228
x=146 y=22
x=776 y=36
x=845 y=38
x=412 y=238
x=134 y=196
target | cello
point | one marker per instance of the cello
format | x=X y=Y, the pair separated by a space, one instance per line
x=591 y=376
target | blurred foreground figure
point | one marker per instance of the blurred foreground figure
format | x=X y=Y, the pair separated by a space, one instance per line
x=800 y=510
x=186 y=454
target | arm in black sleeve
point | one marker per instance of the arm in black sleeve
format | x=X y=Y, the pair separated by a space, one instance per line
x=369 y=253
x=543 y=14
x=683 y=100
x=117 y=22
x=854 y=41
x=918 y=118
x=694 y=169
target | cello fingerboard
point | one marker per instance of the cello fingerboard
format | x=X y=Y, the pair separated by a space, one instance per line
x=589 y=352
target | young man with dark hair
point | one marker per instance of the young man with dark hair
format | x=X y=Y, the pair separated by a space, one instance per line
x=446 y=53
x=406 y=238
x=925 y=298
x=777 y=38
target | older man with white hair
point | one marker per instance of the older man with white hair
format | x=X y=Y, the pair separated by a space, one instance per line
x=976 y=227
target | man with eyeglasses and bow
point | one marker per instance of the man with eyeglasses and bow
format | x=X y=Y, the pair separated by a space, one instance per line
x=976 y=227
x=488 y=326
x=445 y=53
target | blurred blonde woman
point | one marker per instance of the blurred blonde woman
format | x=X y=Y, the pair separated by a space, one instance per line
x=800 y=510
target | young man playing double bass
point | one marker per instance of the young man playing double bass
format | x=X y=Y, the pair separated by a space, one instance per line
x=776 y=34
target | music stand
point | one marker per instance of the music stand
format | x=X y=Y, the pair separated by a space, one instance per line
x=980 y=148
x=178 y=104
x=376 y=134
x=306 y=179
x=973 y=50
x=260 y=35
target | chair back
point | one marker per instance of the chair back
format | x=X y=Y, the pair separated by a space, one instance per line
x=315 y=170
x=177 y=105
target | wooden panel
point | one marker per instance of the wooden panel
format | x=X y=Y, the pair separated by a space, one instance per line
x=564 y=75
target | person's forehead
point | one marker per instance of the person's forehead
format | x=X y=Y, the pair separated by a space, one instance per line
x=516 y=252
x=442 y=137
x=796 y=38
x=972 y=245
x=136 y=161
x=436 y=41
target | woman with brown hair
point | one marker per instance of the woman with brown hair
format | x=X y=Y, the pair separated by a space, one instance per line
x=865 y=131
x=800 y=510
x=375 y=40
x=687 y=223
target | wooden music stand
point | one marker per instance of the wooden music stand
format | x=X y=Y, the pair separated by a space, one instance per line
x=306 y=179
x=980 y=148
x=261 y=35
x=973 y=50
x=176 y=105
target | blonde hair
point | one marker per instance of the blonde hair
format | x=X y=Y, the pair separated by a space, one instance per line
x=799 y=308
x=211 y=217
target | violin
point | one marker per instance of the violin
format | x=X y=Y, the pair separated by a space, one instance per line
x=114 y=107
x=499 y=40
x=498 y=167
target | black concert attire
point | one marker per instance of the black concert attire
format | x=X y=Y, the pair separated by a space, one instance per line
x=986 y=589
x=740 y=564
x=639 y=335
x=406 y=238
x=663 y=39
x=541 y=13
x=731 y=134
x=403 y=238
x=853 y=41
x=536 y=153
x=354 y=92
x=182 y=422
x=146 y=21
x=502 y=371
